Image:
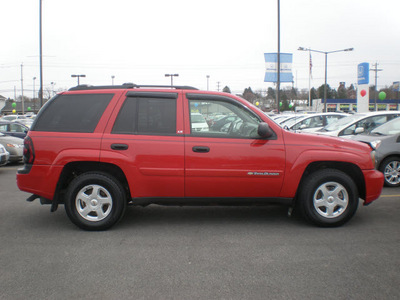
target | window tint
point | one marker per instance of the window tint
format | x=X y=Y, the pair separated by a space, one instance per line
x=72 y=113
x=217 y=118
x=146 y=116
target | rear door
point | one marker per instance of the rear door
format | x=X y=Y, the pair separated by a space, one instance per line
x=230 y=159
x=146 y=141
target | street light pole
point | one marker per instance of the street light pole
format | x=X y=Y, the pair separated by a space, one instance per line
x=326 y=66
x=77 y=76
x=33 y=98
x=41 y=54
x=208 y=78
x=172 y=76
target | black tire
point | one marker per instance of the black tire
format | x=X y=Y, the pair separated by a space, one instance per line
x=95 y=201
x=328 y=198
x=390 y=168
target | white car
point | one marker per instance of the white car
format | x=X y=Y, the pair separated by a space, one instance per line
x=312 y=122
x=358 y=123
x=198 y=122
x=4 y=155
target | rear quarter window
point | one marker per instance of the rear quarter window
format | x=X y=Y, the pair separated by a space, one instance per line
x=72 y=113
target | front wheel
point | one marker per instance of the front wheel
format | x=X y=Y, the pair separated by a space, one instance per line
x=328 y=198
x=95 y=201
x=390 y=168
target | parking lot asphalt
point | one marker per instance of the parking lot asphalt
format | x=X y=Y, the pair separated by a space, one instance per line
x=197 y=253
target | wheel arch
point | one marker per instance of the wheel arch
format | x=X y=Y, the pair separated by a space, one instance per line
x=350 y=169
x=392 y=155
x=74 y=169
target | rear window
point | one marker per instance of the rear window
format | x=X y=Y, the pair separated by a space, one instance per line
x=72 y=113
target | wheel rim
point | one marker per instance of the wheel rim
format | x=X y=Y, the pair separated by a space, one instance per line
x=392 y=172
x=93 y=203
x=330 y=200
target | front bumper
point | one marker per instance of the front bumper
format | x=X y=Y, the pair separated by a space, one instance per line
x=373 y=185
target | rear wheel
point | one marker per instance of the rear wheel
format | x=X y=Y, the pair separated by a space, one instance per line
x=390 y=168
x=328 y=198
x=95 y=201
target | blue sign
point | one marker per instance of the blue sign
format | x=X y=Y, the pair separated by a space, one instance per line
x=396 y=86
x=363 y=73
x=271 y=67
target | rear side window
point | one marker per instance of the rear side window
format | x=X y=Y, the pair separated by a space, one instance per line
x=146 y=116
x=72 y=113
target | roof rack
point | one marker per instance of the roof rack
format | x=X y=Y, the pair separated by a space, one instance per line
x=129 y=86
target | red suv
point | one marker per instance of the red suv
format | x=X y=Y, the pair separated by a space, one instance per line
x=97 y=149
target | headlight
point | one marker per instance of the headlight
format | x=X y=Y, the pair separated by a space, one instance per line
x=15 y=145
x=375 y=144
x=373 y=158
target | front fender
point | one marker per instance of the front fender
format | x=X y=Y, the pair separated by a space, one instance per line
x=296 y=168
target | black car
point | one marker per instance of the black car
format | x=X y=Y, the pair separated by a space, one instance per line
x=386 y=140
x=14 y=129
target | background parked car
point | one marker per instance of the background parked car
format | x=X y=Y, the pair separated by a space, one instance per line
x=4 y=155
x=13 y=129
x=358 y=123
x=14 y=145
x=12 y=117
x=386 y=140
x=312 y=122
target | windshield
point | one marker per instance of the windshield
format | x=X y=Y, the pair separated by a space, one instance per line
x=389 y=128
x=343 y=122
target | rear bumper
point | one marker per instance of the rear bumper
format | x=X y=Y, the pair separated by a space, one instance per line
x=373 y=185
x=40 y=180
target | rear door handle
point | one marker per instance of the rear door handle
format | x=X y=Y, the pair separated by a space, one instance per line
x=119 y=146
x=201 y=149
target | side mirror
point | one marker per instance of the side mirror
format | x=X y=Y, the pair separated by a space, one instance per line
x=264 y=130
x=359 y=130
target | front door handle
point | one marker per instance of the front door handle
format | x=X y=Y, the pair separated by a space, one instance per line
x=119 y=146
x=201 y=149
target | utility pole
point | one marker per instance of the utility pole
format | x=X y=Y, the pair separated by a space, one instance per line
x=22 y=89
x=218 y=82
x=376 y=70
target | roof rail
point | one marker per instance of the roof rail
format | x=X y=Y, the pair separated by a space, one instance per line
x=129 y=86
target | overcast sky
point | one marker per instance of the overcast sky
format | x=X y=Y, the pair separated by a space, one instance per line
x=140 y=41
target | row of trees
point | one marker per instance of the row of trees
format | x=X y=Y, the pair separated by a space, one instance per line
x=290 y=94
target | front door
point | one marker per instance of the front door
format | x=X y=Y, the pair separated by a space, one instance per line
x=229 y=159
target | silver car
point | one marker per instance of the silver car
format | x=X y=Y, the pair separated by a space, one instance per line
x=13 y=145
x=386 y=140
x=4 y=155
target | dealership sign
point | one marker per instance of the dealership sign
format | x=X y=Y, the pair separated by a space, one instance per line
x=271 y=67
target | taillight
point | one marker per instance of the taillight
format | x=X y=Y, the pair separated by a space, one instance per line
x=29 y=152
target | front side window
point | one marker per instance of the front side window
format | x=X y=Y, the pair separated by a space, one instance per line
x=332 y=119
x=217 y=118
x=311 y=122
x=146 y=116
x=16 y=128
